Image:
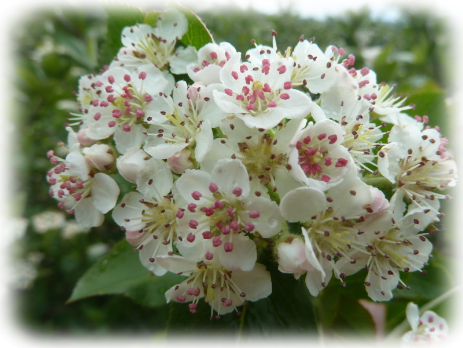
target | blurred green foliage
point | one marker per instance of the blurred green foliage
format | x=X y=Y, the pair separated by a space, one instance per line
x=54 y=47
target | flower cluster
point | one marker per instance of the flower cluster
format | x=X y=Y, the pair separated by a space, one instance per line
x=270 y=149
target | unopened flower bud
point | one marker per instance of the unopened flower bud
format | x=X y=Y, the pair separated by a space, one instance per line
x=99 y=156
x=83 y=138
x=180 y=162
x=130 y=164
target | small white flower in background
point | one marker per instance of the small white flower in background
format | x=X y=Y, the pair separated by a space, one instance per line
x=11 y=229
x=97 y=250
x=429 y=329
x=19 y=275
x=48 y=220
x=72 y=228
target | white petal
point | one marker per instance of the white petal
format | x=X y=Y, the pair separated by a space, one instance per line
x=204 y=141
x=171 y=25
x=229 y=174
x=413 y=315
x=183 y=57
x=269 y=222
x=302 y=203
x=256 y=284
x=132 y=211
x=129 y=140
x=154 y=179
x=104 y=192
x=243 y=256
x=154 y=248
x=176 y=264
x=86 y=214
x=194 y=180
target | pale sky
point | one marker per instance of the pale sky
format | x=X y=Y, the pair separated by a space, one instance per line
x=321 y=9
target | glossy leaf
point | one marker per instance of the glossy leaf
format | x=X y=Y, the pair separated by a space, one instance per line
x=120 y=272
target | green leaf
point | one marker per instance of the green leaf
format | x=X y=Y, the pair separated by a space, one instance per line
x=152 y=17
x=430 y=100
x=121 y=272
x=354 y=324
x=197 y=34
x=118 y=18
x=287 y=310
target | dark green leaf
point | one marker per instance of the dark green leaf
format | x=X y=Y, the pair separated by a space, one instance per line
x=354 y=323
x=118 y=18
x=287 y=310
x=197 y=34
x=120 y=272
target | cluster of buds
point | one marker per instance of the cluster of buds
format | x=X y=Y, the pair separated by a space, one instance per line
x=253 y=147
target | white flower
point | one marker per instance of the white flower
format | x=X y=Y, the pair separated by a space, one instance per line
x=150 y=217
x=262 y=98
x=19 y=275
x=427 y=330
x=125 y=102
x=416 y=161
x=48 y=220
x=313 y=68
x=80 y=189
x=388 y=107
x=221 y=212
x=389 y=247
x=224 y=290
x=144 y=44
x=342 y=104
x=329 y=225
x=263 y=154
x=95 y=251
x=211 y=59
x=184 y=122
x=72 y=228
x=317 y=157
x=11 y=229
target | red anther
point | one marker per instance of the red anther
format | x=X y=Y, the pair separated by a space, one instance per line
x=196 y=195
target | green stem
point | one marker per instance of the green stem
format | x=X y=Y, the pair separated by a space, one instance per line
x=242 y=317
